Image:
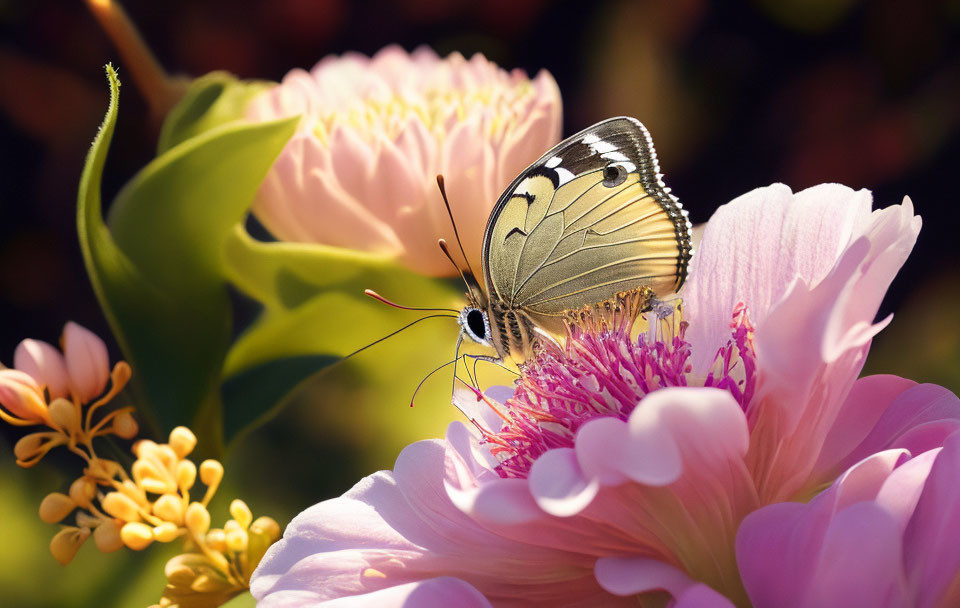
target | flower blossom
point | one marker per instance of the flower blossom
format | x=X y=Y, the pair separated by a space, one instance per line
x=361 y=170
x=618 y=470
x=47 y=387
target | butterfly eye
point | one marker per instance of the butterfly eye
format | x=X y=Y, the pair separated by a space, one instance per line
x=476 y=324
x=614 y=175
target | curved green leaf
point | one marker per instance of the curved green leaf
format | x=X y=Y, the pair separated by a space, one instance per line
x=158 y=270
x=212 y=100
x=308 y=291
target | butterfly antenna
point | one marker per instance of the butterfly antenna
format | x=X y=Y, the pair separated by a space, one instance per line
x=380 y=298
x=425 y=378
x=443 y=193
x=446 y=252
x=393 y=333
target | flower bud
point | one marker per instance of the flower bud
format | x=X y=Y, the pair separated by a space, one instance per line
x=166 y=532
x=65 y=416
x=88 y=365
x=169 y=507
x=45 y=364
x=186 y=474
x=125 y=426
x=31 y=448
x=143 y=448
x=136 y=535
x=107 y=536
x=217 y=540
x=55 y=507
x=197 y=519
x=211 y=472
x=82 y=491
x=266 y=526
x=236 y=539
x=20 y=395
x=67 y=542
x=241 y=512
x=120 y=506
x=182 y=440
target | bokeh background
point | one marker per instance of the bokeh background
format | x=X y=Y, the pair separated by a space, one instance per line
x=736 y=94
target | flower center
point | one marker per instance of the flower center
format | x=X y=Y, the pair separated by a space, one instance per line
x=601 y=370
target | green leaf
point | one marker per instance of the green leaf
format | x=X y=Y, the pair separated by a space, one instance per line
x=307 y=292
x=211 y=101
x=158 y=270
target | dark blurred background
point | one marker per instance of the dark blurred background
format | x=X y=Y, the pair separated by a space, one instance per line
x=736 y=94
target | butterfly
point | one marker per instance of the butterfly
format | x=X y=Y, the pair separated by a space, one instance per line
x=589 y=220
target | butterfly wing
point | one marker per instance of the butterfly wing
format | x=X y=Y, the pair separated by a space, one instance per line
x=591 y=218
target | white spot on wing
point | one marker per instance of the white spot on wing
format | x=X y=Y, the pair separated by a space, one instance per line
x=553 y=162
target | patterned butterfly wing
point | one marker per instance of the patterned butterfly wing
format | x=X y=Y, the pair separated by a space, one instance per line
x=591 y=218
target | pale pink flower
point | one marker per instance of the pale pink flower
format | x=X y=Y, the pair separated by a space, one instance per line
x=619 y=470
x=81 y=372
x=361 y=170
x=883 y=535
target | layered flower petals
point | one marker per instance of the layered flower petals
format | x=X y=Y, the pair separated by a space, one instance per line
x=882 y=535
x=757 y=245
x=375 y=132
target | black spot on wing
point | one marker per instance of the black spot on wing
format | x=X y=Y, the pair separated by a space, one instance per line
x=513 y=231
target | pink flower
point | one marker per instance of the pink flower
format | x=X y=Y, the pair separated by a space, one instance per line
x=81 y=372
x=619 y=469
x=884 y=534
x=361 y=171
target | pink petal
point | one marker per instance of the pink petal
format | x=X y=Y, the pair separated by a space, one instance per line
x=438 y=592
x=869 y=398
x=21 y=396
x=913 y=409
x=931 y=551
x=558 y=485
x=88 y=364
x=630 y=576
x=754 y=247
x=841 y=549
x=45 y=364
x=810 y=349
x=393 y=529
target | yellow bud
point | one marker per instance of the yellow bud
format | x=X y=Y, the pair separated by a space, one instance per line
x=211 y=472
x=216 y=540
x=65 y=415
x=186 y=474
x=241 y=512
x=120 y=506
x=167 y=457
x=157 y=486
x=136 y=535
x=124 y=426
x=134 y=493
x=143 y=448
x=31 y=448
x=67 y=542
x=237 y=539
x=82 y=491
x=169 y=507
x=266 y=526
x=197 y=519
x=166 y=532
x=182 y=440
x=55 y=507
x=209 y=584
x=107 y=536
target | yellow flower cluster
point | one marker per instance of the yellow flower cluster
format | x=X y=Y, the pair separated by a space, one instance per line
x=151 y=503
